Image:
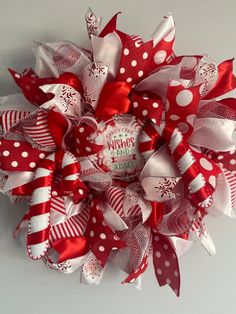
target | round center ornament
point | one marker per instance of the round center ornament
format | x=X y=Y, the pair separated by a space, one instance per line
x=120 y=155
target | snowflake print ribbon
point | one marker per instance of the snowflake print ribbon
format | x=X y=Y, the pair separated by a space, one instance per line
x=121 y=151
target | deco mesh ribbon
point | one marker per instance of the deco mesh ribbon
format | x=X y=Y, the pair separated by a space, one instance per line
x=121 y=151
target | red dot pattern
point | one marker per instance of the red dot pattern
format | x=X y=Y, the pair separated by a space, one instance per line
x=80 y=142
x=19 y=156
x=29 y=83
x=165 y=262
x=207 y=167
x=79 y=194
x=138 y=58
x=138 y=272
x=147 y=106
x=102 y=239
x=182 y=106
x=134 y=64
x=164 y=49
x=224 y=159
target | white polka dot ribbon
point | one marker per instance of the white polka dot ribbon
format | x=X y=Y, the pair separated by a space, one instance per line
x=139 y=58
x=101 y=238
x=165 y=262
x=39 y=213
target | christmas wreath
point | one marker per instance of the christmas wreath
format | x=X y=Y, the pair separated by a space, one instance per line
x=120 y=151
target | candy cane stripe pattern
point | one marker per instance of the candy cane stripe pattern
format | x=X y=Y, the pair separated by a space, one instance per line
x=122 y=152
x=201 y=193
x=39 y=222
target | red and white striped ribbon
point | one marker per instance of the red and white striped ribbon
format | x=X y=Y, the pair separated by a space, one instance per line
x=201 y=194
x=9 y=118
x=39 y=222
x=73 y=227
x=115 y=198
x=39 y=132
x=232 y=185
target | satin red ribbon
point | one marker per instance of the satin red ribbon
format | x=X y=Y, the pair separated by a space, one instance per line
x=58 y=126
x=70 y=79
x=226 y=81
x=113 y=100
x=156 y=215
x=110 y=26
x=69 y=248
x=23 y=190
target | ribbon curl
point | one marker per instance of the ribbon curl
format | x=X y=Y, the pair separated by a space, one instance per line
x=80 y=215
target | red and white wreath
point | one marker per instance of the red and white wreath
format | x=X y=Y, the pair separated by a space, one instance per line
x=120 y=151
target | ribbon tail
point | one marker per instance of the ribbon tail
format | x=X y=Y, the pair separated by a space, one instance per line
x=200 y=232
x=138 y=271
x=92 y=271
x=226 y=81
x=166 y=263
x=70 y=248
x=110 y=27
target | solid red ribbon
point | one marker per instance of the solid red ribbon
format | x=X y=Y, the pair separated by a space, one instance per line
x=58 y=127
x=38 y=237
x=183 y=236
x=23 y=190
x=69 y=248
x=113 y=100
x=156 y=215
x=155 y=139
x=226 y=80
x=110 y=26
x=71 y=80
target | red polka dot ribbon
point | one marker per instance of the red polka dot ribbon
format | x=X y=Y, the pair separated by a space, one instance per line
x=182 y=106
x=19 y=155
x=147 y=106
x=165 y=262
x=101 y=237
x=224 y=159
x=81 y=144
x=138 y=59
x=30 y=84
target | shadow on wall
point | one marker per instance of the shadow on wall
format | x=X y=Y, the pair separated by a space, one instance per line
x=22 y=58
x=10 y=216
x=18 y=59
